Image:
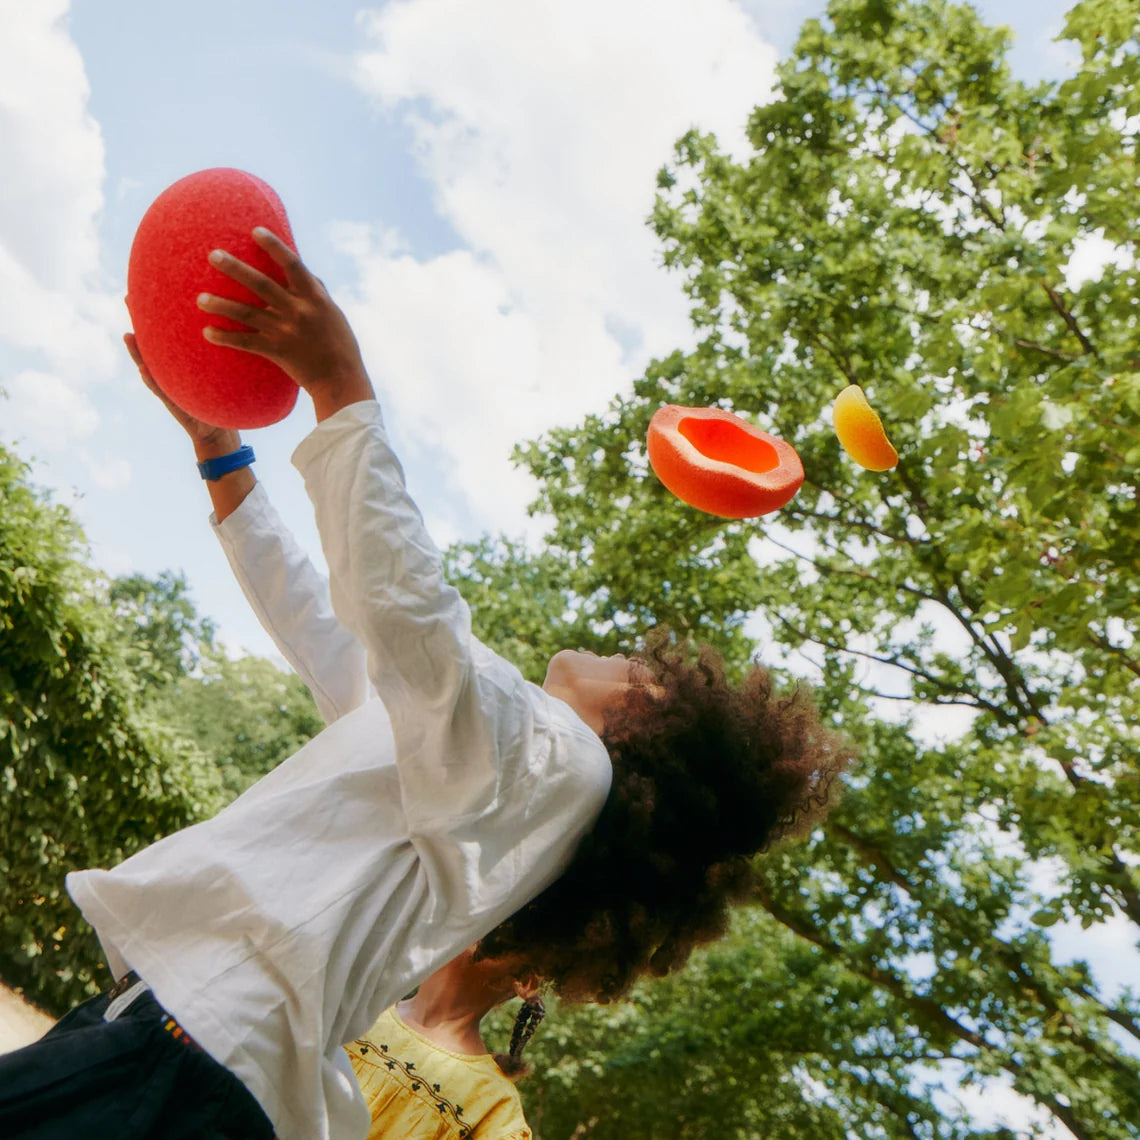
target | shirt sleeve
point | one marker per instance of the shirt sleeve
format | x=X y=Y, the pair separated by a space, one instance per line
x=388 y=589
x=291 y=600
x=461 y=718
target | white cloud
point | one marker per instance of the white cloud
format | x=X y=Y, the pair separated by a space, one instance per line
x=1110 y=948
x=471 y=372
x=51 y=145
x=115 y=562
x=109 y=472
x=47 y=410
x=541 y=129
x=1056 y=56
x=52 y=302
x=70 y=330
x=995 y=1104
x=1091 y=254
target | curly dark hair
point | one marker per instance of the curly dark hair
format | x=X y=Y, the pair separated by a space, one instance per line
x=706 y=776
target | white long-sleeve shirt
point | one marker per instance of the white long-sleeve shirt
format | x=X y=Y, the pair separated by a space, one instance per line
x=445 y=793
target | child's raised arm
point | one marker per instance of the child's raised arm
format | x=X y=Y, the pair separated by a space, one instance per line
x=385 y=574
x=285 y=590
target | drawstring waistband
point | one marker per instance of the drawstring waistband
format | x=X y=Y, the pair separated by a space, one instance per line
x=123 y=995
x=126 y=991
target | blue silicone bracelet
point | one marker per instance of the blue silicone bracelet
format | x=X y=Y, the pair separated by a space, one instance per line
x=213 y=469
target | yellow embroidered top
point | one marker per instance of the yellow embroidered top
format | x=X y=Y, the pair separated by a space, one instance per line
x=417 y=1090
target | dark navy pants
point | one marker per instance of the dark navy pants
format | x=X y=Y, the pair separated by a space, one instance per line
x=134 y=1078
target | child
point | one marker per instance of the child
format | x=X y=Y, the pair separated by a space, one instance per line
x=424 y=1069
x=590 y=831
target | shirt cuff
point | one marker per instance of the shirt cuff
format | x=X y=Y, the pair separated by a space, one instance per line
x=328 y=433
x=243 y=515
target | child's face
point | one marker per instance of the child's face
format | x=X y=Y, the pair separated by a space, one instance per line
x=590 y=684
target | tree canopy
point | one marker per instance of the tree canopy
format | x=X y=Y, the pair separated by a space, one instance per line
x=909 y=218
x=913 y=219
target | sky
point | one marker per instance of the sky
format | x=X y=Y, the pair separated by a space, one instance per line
x=471 y=180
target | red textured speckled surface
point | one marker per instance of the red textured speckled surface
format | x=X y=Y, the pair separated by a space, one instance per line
x=211 y=209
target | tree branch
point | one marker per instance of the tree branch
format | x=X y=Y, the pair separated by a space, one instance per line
x=823 y=568
x=1033 y=346
x=926 y=1008
x=800 y=512
x=1103 y=643
x=872 y=855
x=843 y=365
x=1018 y=691
x=1069 y=319
x=978 y=702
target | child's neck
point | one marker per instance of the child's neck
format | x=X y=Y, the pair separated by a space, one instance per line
x=450 y=1004
x=453 y=1029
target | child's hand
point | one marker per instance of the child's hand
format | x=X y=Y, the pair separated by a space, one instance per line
x=300 y=329
x=209 y=441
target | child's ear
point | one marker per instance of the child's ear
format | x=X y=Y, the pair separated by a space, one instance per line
x=527 y=986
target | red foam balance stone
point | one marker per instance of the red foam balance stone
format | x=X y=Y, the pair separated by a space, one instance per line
x=721 y=464
x=212 y=209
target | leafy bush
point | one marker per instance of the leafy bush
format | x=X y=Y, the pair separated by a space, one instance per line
x=86 y=777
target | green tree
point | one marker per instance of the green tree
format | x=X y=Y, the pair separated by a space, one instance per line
x=754 y=1038
x=245 y=714
x=165 y=637
x=85 y=777
x=906 y=222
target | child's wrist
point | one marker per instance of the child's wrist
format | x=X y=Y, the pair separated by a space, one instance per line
x=218 y=444
x=331 y=395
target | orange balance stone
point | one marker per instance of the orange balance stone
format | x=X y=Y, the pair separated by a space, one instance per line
x=212 y=209
x=860 y=431
x=717 y=462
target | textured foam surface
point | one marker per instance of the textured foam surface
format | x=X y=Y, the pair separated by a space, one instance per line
x=860 y=431
x=717 y=462
x=212 y=209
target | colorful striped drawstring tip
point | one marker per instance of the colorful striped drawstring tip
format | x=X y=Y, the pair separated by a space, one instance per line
x=179 y=1034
